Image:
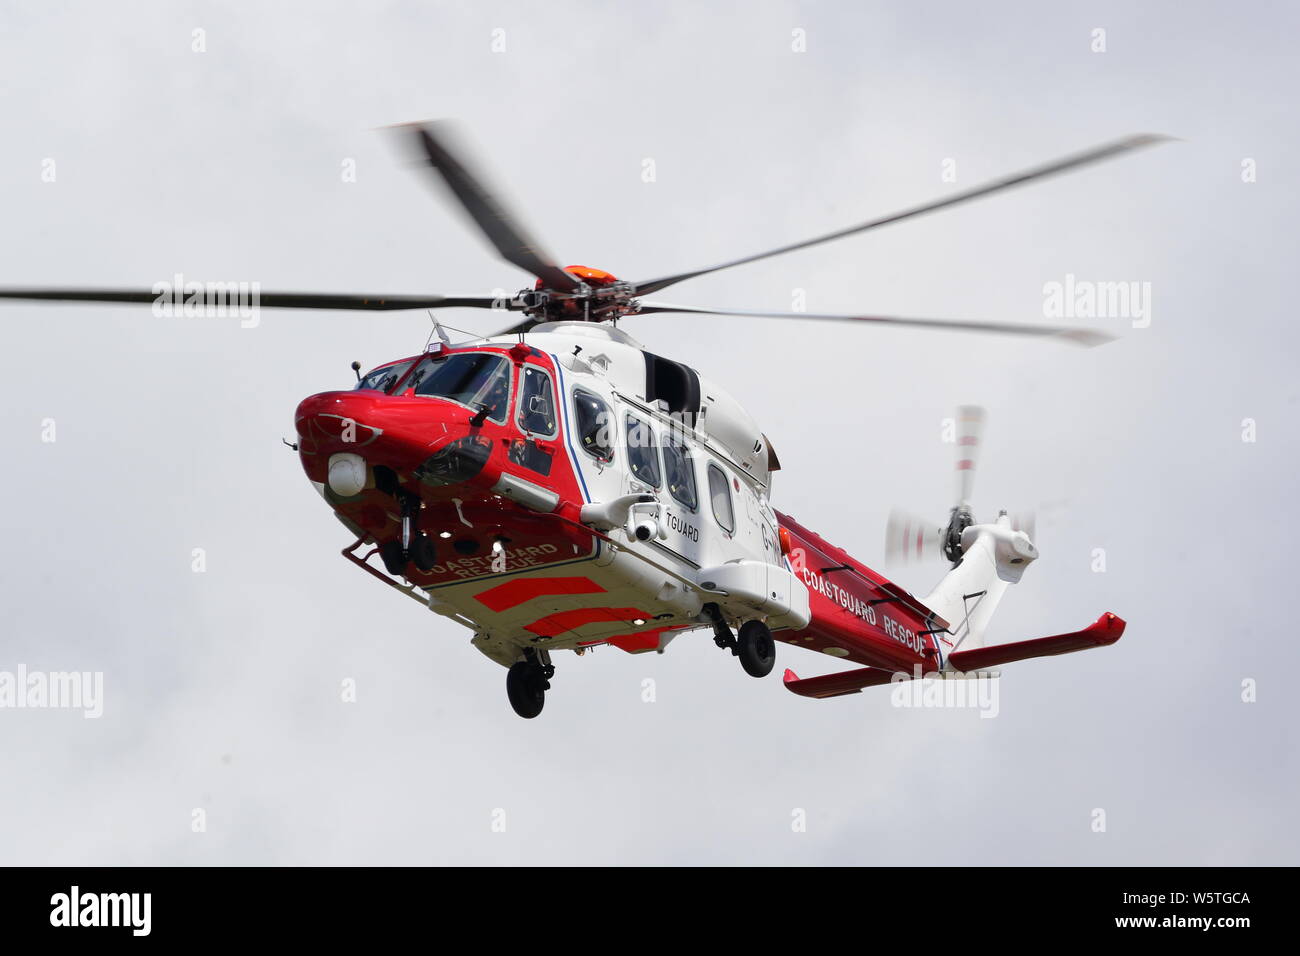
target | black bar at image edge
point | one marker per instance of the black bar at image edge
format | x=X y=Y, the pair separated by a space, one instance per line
x=210 y=904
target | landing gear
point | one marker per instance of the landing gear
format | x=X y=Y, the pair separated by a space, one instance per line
x=423 y=552
x=414 y=546
x=755 y=646
x=757 y=649
x=722 y=635
x=410 y=513
x=394 y=558
x=527 y=682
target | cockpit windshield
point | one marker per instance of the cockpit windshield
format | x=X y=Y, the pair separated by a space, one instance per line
x=385 y=377
x=475 y=379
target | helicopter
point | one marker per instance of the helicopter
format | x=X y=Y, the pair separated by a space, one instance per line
x=558 y=487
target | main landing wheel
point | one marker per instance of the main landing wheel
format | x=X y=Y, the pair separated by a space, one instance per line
x=757 y=649
x=526 y=688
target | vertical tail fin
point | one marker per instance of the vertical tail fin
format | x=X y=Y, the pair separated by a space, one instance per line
x=993 y=557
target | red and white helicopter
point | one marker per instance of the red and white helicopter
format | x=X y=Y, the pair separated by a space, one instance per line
x=558 y=487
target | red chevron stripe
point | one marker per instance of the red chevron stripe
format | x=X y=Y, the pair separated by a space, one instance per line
x=514 y=593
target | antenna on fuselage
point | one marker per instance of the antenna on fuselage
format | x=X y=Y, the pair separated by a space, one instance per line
x=437 y=329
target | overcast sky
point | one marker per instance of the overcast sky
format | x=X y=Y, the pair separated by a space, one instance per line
x=222 y=688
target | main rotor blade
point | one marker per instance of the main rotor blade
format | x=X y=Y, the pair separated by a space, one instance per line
x=505 y=231
x=1084 y=337
x=273 y=300
x=1073 y=161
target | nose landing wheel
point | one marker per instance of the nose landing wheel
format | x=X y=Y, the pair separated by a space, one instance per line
x=423 y=552
x=394 y=558
x=414 y=546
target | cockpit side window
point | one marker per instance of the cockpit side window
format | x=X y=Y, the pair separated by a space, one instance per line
x=720 y=493
x=679 y=470
x=536 y=402
x=477 y=380
x=385 y=377
x=642 y=452
x=594 y=424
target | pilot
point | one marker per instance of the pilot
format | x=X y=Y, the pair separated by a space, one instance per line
x=498 y=397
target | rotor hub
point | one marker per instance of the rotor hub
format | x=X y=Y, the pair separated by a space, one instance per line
x=600 y=296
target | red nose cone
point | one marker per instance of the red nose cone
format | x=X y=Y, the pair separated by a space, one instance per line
x=342 y=417
x=419 y=439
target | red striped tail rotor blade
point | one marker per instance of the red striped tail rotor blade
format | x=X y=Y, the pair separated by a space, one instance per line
x=969 y=435
x=909 y=538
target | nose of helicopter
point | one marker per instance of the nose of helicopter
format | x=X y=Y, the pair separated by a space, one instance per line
x=344 y=437
x=329 y=418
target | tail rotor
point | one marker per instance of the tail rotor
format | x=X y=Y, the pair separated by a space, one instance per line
x=909 y=538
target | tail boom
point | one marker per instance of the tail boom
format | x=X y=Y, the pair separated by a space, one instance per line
x=857 y=614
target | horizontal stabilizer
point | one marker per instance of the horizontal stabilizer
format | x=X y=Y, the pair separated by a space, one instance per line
x=835 y=685
x=1105 y=630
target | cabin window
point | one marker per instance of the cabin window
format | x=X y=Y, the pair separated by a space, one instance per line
x=720 y=495
x=679 y=471
x=536 y=402
x=385 y=377
x=477 y=380
x=594 y=425
x=642 y=452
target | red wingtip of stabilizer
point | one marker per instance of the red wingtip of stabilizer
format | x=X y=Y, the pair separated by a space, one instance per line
x=789 y=676
x=1113 y=624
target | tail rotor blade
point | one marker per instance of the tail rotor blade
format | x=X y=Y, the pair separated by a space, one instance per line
x=909 y=538
x=970 y=430
x=1024 y=521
